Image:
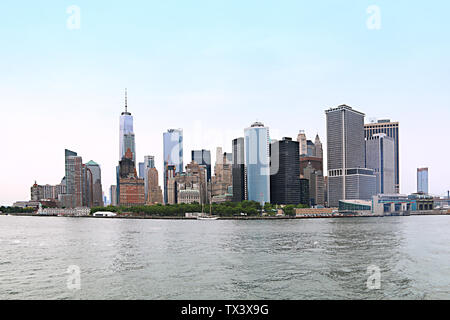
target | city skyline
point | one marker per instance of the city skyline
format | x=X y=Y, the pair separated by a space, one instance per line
x=106 y=187
x=283 y=67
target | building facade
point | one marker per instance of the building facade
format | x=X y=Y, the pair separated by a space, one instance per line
x=238 y=170
x=316 y=185
x=94 y=183
x=173 y=153
x=380 y=156
x=285 y=172
x=422 y=180
x=203 y=157
x=222 y=178
x=131 y=191
x=153 y=192
x=347 y=176
x=391 y=129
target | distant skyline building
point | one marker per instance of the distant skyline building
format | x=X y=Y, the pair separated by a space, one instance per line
x=203 y=157
x=113 y=195
x=316 y=185
x=311 y=148
x=141 y=170
x=347 y=176
x=257 y=162
x=285 y=172
x=318 y=149
x=422 y=180
x=94 y=179
x=153 y=192
x=303 y=146
x=74 y=179
x=238 y=170
x=391 y=129
x=173 y=154
x=149 y=163
x=131 y=191
x=380 y=156
x=313 y=154
x=222 y=179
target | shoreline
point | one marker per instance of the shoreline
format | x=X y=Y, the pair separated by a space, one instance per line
x=434 y=213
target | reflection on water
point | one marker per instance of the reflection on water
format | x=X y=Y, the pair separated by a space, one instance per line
x=164 y=259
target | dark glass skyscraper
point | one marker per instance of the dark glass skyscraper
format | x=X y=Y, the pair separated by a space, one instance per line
x=203 y=157
x=285 y=172
x=238 y=170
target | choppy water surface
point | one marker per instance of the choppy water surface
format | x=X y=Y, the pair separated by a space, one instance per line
x=163 y=259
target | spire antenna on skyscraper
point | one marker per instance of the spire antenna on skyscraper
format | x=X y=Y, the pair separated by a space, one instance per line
x=126 y=101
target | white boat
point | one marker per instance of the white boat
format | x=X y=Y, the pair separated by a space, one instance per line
x=207 y=218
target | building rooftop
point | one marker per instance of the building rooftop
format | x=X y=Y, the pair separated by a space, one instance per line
x=343 y=107
x=257 y=124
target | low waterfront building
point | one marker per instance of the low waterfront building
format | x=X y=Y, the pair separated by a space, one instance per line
x=72 y=212
x=26 y=204
x=357 y=206
x=422 y=201
x=383 y=204
x=302 y=212
x=228 y=197
x=189 y=195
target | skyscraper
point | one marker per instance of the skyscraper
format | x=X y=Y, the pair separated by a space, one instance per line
x=391 y=129
x=94 y=178
x=285 y=172
x=173 y=154
x=126 y=141
x=126 y=134
x=203 y=157
x=257 y=162
x=347 y=176
x=380 y=156
x=113 y=195
x=238 y=170
x=153 y=192
x=422 y=180
x=74 y=179
x=144 y=167
x=318 y=150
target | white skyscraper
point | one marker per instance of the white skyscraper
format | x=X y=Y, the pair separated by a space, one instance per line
x=126 y=134
x=301 y=138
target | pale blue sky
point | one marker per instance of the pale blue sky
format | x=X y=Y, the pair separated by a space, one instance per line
x=212 y=68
